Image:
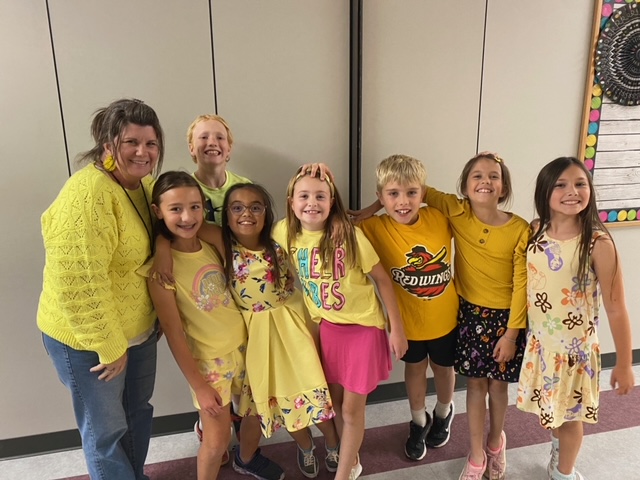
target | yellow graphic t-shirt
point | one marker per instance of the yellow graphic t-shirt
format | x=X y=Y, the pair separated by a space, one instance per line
x=342 y=294
x=418 y=259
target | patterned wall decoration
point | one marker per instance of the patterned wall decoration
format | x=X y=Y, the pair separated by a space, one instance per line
x=610 y=141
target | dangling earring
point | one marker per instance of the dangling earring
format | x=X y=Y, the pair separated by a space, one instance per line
x=109 y=163
x=227 y=159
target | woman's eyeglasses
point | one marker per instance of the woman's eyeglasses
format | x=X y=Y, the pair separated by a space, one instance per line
x=239 y=208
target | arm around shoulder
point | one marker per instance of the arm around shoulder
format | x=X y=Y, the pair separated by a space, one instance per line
x=447 y=203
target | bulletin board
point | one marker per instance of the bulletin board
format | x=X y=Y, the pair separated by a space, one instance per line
x=610 y=138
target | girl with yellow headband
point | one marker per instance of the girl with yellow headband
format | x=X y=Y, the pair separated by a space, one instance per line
x=339 y=294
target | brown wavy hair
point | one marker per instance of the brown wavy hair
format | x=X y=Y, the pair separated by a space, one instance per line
x=109 y=122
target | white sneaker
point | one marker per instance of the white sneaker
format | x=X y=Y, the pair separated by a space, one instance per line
x=356 y=470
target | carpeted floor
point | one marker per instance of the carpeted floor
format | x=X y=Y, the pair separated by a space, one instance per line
x=383 y=447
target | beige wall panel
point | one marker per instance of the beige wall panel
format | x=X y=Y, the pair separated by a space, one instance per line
x=34 y=167
x=421 y=86
x=535 y=72
x=160 y=54
x=283 y=84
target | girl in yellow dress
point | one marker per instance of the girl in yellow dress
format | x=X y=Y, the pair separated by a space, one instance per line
x=284 y=372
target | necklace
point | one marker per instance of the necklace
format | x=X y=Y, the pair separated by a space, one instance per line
x=133 y=204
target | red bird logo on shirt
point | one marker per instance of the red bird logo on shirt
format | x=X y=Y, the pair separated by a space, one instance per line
x=426 y=275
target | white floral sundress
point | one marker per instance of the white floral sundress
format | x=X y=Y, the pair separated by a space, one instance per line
x=559 y=380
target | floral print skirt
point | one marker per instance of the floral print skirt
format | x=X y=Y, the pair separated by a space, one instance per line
x=559 y=386
x=285 y=379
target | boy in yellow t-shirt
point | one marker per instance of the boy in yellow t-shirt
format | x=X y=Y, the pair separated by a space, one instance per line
x=414 y=245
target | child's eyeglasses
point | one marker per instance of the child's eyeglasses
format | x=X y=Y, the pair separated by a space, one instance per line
x=254 y=208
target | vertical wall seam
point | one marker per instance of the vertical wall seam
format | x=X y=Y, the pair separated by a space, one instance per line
x=213 y=60
x=55 y=71
x=355 y=103
x=484 y=45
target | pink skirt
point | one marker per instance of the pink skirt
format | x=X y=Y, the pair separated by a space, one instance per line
x=354 y=356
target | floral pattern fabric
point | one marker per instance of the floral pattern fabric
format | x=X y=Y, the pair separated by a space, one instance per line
x=286 y=384
x=225 y=374
x=559 y=379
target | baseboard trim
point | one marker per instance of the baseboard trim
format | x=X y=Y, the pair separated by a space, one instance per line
x=183 y=422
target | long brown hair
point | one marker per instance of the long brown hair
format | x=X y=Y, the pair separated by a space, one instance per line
x=337 y=220
x=589 y=218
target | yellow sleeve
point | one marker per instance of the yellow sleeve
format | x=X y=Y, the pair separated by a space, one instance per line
x=279 y=233
x=366 y=256
x=447 y=203
x=80 y=234
x=518 y=308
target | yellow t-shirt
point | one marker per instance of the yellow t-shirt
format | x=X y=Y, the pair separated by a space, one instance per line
x=211 y=321
x=418 y=260
x=344 y=295
x=490 y=261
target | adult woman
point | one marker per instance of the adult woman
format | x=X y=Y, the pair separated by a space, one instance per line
x=95 y=313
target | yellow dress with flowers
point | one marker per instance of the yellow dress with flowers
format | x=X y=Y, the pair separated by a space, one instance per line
x=284 y=373
x=559 y=379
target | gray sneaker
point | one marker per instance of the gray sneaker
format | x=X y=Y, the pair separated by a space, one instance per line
x=332 y=458
x=307 y=461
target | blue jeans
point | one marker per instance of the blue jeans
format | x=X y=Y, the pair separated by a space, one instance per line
x=114 y=418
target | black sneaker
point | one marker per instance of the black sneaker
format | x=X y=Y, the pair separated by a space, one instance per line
x=415 y=447
x=259 y=467
x=440 y=430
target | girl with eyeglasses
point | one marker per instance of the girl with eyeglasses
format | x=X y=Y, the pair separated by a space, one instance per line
x=284 y=385
x=284 y=374
x=193 y=312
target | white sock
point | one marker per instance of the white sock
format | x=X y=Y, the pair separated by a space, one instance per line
x=442 y=409
x=419 y=417
x=561 y=476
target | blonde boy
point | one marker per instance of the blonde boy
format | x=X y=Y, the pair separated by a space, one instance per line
x=414 y=245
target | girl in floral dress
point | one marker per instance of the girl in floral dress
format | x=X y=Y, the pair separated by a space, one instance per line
x=192 y=312
x=571 y=261
x=284 y=372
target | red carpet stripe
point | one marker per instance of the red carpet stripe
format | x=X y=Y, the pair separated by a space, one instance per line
x=383 y=448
